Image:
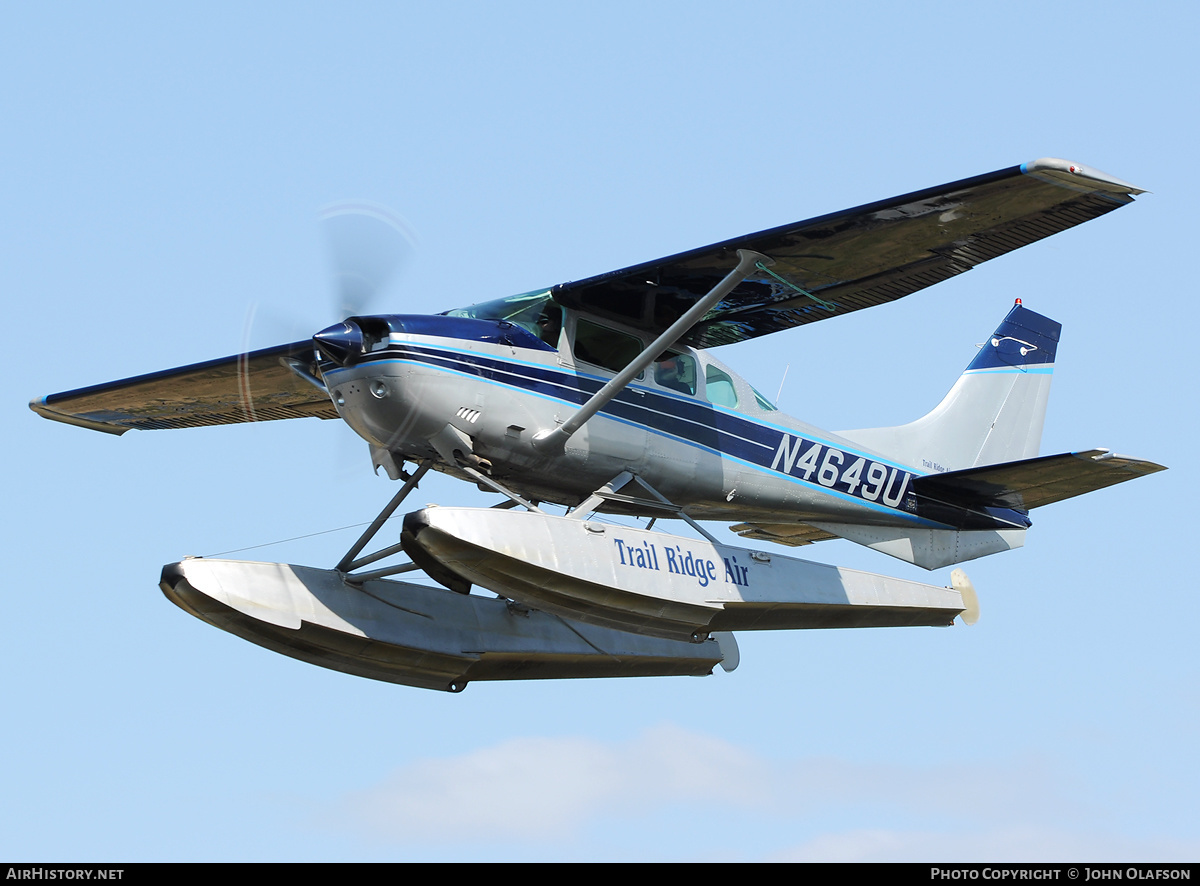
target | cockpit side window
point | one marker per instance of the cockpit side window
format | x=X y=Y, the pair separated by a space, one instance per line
x=549 y=324
x=676 y=372
x=605 y=347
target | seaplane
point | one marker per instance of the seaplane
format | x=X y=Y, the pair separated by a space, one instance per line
x=597 y=409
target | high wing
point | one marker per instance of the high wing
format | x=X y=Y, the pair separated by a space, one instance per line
x=821 y=268
x=258 y=386
x=858 y=258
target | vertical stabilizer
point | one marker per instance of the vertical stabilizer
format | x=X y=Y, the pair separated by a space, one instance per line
x=995 y=410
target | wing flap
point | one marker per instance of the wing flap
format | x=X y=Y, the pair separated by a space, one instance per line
x=257 y=386
x=858 y=258
x=1034 y=482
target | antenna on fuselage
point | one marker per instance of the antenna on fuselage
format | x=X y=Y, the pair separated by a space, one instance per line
x=779 y=393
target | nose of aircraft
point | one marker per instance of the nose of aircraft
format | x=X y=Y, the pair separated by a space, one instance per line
x=343 y=343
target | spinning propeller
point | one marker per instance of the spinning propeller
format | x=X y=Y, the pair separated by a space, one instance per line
x=368 y=246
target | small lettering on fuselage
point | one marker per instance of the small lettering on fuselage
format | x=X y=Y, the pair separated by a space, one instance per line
x=832 y=468
x=680 y=562
x=818 y=464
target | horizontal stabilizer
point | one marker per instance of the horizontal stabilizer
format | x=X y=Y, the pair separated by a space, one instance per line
x=1033 y=482
x=791 y=534
x=257 y=386
x=1018 y=485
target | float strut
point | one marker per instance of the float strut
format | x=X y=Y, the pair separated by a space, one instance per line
x=347 y=562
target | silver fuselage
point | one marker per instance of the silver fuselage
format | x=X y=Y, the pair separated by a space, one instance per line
x=746 y=463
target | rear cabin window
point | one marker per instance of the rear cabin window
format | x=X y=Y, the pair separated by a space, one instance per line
x=719 y=389
x=763 y=403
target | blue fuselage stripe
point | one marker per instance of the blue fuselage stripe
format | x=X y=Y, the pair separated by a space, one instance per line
x=753 y=444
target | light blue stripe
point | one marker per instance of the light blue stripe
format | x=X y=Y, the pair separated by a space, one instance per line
x=1029 y=370
x=842 y=496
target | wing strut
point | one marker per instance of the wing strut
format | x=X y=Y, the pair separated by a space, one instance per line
x=554 y=440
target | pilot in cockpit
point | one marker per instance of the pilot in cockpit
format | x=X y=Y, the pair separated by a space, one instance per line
x=549 y=324
x=676 y=372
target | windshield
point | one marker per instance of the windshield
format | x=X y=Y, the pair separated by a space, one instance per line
x=532 y=311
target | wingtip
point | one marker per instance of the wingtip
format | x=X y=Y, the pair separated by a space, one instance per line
x=39 y=406
x=1134 y=465
x=1077 y=175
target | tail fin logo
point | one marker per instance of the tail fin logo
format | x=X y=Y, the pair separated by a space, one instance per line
x=1011 y=350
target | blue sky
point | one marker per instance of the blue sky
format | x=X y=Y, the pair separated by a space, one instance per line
x=164 y=170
